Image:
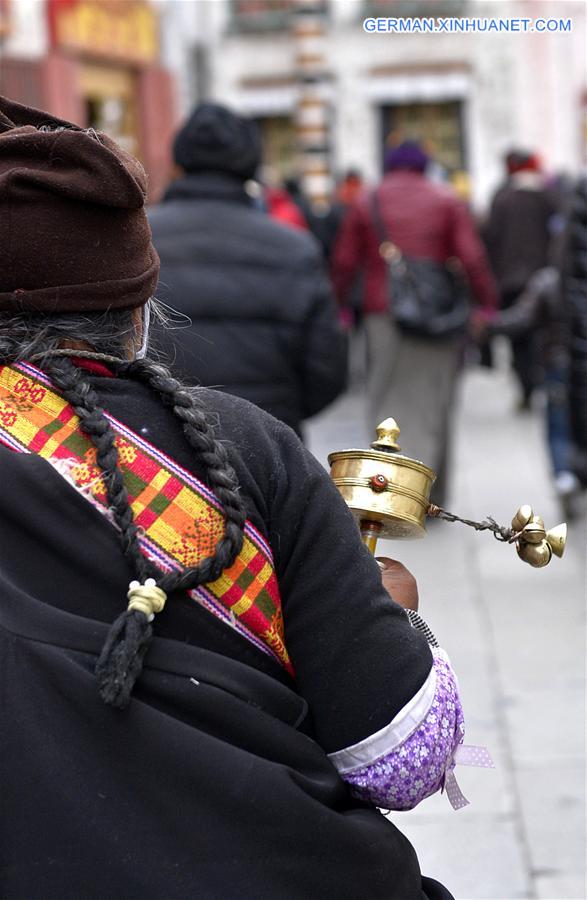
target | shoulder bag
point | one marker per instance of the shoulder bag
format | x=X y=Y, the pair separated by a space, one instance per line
x=426 y=298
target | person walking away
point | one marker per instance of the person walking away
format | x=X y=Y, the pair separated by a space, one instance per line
x=518 y=236
x=411 y=378
x=574 y=273
x=206 y=689
x=264 y=321
x=349 y=187
x=282 y=208
x=539 y=309
x=323 y=217
x=348 y=191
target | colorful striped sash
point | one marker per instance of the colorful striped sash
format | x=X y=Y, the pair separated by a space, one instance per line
x=179 y=517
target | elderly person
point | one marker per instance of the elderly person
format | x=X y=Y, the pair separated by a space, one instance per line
x=207 y=690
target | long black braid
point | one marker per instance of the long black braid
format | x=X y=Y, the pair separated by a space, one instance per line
x=121 y=659
x=78 y=392
x=220 y=475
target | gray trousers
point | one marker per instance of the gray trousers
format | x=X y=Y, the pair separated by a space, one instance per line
x=413 y=380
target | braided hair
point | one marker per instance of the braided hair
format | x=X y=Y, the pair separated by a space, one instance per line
x=120 y=662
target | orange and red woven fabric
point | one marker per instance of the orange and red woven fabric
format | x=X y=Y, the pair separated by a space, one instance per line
x=179 y=517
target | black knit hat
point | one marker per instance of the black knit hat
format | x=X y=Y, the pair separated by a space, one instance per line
x=74 y=235
x=214 y=139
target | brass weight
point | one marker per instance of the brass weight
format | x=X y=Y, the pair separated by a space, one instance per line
x=389 y=495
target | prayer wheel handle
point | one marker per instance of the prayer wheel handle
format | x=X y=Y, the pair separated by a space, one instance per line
x=389 y=496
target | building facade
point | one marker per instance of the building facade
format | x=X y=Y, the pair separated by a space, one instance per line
x=322 y=87
x=95 y=63
x=328 y=95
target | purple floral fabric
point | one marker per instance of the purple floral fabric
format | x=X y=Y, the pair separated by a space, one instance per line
x=416 y=768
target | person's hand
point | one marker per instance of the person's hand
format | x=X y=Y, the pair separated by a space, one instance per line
x=346 y=318
x=478 y=326
x=399 y=583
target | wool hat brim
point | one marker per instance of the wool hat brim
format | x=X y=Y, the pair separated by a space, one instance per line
x=114 y=294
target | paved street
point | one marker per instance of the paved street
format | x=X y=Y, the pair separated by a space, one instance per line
x=516 y=637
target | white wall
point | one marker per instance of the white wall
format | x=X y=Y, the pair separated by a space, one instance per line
x=517 y=89
x=28 y=38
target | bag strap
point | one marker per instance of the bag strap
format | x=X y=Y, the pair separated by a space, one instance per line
x=379 y=224
x=388 y=250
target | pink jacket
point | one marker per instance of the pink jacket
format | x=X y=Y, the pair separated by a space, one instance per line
x=425 y=220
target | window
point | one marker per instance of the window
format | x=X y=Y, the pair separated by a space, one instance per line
x=261 y=15
x=412 y=9
x=268 y=15
x=438 y=127
x=280 y=151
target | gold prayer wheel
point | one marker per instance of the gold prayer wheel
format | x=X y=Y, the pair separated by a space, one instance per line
x=389 y=496
x=384 y=487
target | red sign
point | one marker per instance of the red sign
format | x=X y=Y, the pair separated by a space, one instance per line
x=4 y=18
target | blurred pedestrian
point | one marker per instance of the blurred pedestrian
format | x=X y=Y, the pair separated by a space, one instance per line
x=539 y=310
x=518 y=235
x=349 y=188
x=264 y=322
x=348 y=191
x=323 y=217
x=281 y=207
x=232 y=730
x=575 y=296
x=411 y=376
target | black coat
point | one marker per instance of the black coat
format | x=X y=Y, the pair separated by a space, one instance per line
x=575 y=290
x=518 y=234
x=264 y=321
x=219 y=789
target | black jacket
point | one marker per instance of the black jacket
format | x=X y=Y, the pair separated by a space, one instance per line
x=264 y=321
x=517 y=233
x=539 y=310
x=218 y=789
x=575 y=291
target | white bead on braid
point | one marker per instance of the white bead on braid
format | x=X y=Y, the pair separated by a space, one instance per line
x=146 y=598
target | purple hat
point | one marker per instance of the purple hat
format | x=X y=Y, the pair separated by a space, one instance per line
x=408 y=155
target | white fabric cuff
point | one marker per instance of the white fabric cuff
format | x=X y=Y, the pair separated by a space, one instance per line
x=382 y=742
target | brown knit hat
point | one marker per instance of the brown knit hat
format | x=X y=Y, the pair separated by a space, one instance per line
x=74 y=234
